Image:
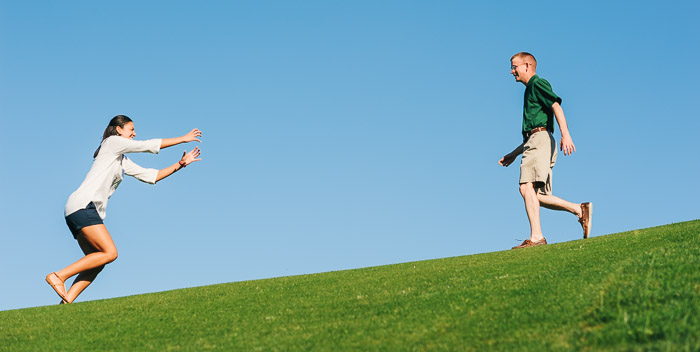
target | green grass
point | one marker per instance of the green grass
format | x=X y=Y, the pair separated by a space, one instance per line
x=633 y=291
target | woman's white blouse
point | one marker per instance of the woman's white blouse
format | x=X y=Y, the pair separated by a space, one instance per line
x=108 y=170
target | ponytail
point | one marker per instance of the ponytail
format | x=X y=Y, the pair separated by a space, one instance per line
x=111 y=130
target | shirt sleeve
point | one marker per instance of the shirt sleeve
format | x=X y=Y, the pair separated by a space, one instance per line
x=140 y=173
x=121 y=145
x=543 y=92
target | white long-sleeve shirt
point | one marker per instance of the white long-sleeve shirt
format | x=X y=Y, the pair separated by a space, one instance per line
x=108 y=170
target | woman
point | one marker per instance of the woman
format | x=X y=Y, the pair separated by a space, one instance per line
x=86 y=207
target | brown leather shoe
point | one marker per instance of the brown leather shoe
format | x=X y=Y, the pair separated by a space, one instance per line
x=586 y=218
x=528 y=243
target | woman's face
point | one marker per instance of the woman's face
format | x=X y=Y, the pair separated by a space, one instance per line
x=127 y=131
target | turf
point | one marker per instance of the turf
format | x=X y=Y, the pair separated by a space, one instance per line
x=632 y=291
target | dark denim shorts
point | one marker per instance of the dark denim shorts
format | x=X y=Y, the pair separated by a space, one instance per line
x=83 y=218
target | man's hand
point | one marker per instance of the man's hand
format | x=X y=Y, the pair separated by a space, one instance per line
x=507 y=160
x=567 y=145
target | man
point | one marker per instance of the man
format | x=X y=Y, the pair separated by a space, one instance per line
x=539 y=150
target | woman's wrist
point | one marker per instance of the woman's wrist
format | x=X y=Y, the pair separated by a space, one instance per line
x=182 y=164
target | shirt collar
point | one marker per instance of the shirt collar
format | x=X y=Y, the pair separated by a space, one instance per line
x=532 y=80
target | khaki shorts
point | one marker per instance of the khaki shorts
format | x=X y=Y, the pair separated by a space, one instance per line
x=539 y=157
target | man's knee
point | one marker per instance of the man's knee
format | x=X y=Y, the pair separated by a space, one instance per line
x=526 y=188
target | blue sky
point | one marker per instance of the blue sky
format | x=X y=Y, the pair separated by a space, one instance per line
x=337 y=135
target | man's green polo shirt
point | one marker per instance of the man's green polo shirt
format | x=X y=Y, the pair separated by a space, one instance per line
x=537 y=108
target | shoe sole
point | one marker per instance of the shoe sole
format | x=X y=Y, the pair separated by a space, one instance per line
x=531 y=245
x=590 y=221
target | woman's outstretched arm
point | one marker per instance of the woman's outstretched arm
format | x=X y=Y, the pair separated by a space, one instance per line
x=187 y=158
x=189 y=137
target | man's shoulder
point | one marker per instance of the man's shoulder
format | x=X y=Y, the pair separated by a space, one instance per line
x=537 y=80
x=540 y=83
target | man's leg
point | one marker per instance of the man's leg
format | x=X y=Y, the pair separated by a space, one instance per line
x=555 y=203
x=532 y=207
x=583 y=211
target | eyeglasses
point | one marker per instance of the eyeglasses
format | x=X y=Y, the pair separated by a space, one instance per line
x=513 y=67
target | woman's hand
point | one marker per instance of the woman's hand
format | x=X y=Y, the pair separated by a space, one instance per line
x=192 y=136
x=192 y=156
x=189 y=137
x=187 y=158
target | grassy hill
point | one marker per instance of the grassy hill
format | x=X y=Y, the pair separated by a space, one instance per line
x=636 y=290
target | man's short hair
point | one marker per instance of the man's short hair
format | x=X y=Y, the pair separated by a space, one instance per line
x=526 y=56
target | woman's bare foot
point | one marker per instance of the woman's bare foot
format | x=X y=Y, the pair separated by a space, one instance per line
x=57 y=285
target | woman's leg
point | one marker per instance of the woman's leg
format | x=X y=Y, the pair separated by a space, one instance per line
x=84 y=279
x=99 y=250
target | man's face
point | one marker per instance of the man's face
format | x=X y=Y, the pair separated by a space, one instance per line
x=519 y=69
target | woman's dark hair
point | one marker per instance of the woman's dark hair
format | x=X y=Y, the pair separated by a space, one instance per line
x=111 y=130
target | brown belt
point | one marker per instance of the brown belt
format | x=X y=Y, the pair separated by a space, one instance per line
x=534 y=130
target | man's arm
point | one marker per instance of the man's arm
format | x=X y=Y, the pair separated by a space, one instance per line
x=510 y=157
x=567 y=145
